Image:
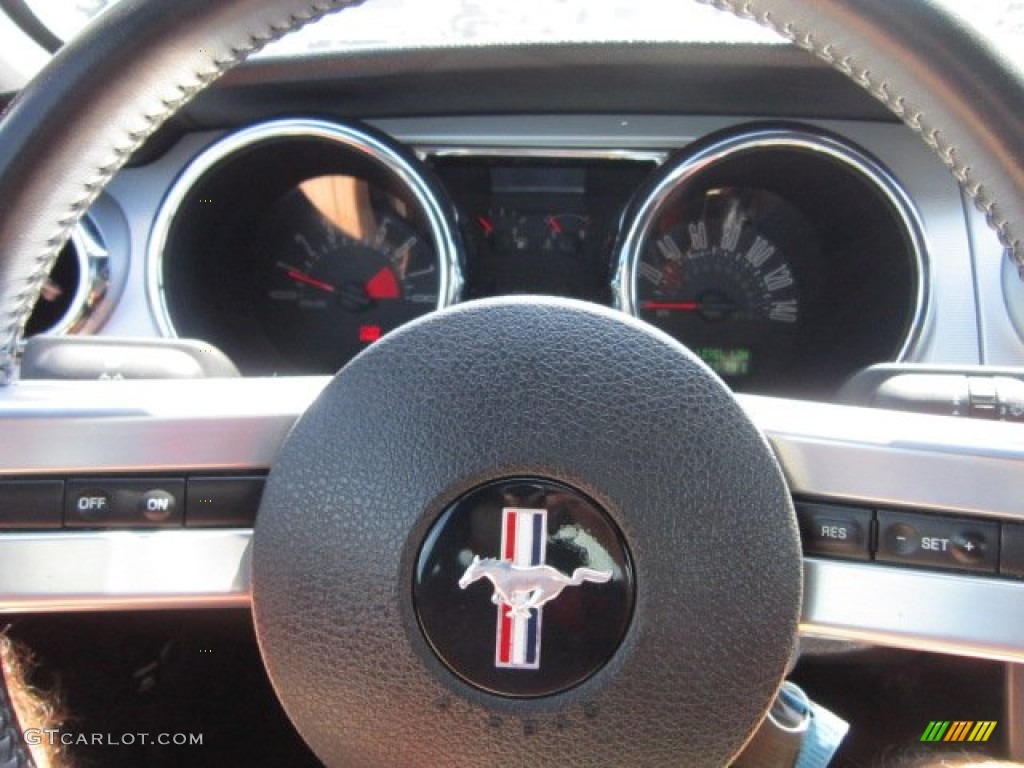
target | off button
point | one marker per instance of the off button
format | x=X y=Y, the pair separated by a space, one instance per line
x=91 y=504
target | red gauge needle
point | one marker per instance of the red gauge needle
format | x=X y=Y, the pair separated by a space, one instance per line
x=674 y=306
x=302 y=277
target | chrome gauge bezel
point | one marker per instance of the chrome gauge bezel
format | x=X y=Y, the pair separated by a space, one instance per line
x=92 y=286
x=644 y=211
x=368 y=146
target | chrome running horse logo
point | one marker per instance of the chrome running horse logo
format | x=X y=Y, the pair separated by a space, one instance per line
x=524 y=588
x=522 y=585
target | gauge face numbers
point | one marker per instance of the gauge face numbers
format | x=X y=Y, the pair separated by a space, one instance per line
x=714 y=275
x=342 y=265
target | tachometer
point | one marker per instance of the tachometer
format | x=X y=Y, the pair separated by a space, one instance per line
x=293 y=244
x=341 y=268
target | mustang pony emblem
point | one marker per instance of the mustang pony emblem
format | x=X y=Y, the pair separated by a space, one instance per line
x=522 y=585
x=523 y=588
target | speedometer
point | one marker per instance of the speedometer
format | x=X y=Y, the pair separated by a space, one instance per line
x=718 y=278
x=784 y=257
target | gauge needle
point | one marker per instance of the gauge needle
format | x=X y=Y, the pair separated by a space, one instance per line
x=675 y=306
x=302 y=277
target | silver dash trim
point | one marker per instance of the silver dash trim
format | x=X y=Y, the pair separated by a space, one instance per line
x=869 y=456
x=920 y=610
x=868 y=603
x=124 y=570
x=657 y=157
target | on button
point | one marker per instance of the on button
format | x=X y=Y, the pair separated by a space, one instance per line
x=157 y=506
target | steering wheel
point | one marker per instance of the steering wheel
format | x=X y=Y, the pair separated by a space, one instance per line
x=498 y=550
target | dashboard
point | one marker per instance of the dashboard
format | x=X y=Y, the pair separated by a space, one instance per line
x=789 y=251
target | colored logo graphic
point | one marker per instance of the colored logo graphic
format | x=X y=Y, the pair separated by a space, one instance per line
x=522 y=585
x=958 y=730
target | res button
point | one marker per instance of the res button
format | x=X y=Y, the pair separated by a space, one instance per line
x=826 y=529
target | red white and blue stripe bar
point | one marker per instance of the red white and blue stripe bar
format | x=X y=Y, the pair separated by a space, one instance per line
x=523 y=543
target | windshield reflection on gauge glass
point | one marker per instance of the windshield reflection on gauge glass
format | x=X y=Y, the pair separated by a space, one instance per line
x=342 y=266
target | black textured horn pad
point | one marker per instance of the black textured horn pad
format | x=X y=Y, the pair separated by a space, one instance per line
x=554 y=389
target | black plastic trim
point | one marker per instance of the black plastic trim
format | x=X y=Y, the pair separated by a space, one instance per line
x=741 y=80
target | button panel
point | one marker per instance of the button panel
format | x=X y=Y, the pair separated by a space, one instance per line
x=918 y=539
x=109 y=503
x=827 y=529
x=933 y=540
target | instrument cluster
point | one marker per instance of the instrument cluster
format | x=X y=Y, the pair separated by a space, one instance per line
x=783 y=256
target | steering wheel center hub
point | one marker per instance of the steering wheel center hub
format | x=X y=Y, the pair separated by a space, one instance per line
x=380 y=569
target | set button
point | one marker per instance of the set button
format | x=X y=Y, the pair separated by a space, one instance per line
x=937 y=541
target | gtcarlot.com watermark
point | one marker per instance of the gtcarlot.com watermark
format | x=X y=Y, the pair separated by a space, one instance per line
x=53 y=737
